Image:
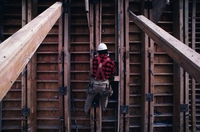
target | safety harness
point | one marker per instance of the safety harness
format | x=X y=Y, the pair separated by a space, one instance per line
x=100 y=65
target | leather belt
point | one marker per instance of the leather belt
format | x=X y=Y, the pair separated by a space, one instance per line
x=99 y=82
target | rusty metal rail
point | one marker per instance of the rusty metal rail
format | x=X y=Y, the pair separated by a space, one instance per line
x=183 y=55
x=17 y=50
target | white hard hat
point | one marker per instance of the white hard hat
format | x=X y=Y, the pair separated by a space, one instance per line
x=102 y=46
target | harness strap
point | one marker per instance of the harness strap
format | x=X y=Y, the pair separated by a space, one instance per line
x=99 y=70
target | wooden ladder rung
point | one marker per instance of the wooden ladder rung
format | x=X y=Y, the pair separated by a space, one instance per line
x=163 y=104
x=80 y=126
x=79 y=90
x=47 y=81
x=47 y=52
x=81 y=100
x=10 y=127
x=162 y=125
x=77 y=81
x=12 y=109
x=47 y=126
x=47 y=62
x=48 y=109
x=11 y=118
x=134 y=126
x=48 y=99
x=47 y=90
x=80 y=62
x=82 y=118
x=79 y=71
x=48 y=118
x=86 y=52
x=109 y=119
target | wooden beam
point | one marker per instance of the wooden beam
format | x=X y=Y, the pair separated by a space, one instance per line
x=17 y=50
x=186 y=57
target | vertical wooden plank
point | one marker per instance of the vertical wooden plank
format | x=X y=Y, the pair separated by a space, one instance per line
x=87 y=9
x=67 y=98
x=91 y=57
x=97 y=41
x=97 y=24
x=145 y=76
x=60 y=73
x=151 y=90
x=31 y=94
x=193 y=93
x=121 y=62
x=151 y=110
x=31 y=80
x=186 y=40
x=127 y=123
x=100 y=20
x=178 y=71
x=116 y=29
x=24 y=74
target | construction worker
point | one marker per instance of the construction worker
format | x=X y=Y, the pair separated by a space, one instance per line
x=103 y=72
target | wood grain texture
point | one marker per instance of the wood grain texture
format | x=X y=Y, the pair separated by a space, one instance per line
x=186 y=57
x=17 y=50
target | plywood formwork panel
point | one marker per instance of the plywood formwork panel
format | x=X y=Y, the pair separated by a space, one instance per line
x=80 y=65
x=134 y=87
x=108 y=36
x=193 y=42
x=163 y=77
x=11 y=104
x=48 y=74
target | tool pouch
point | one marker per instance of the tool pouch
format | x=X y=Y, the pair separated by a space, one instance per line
x=108 y=92
x=89 y=89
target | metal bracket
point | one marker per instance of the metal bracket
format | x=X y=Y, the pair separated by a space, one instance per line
x=62 y=90
x=24 y=71
x=62 y=119
x=148 y=5
x=25 y=111
x=149 y=97
x=124 y=109
x=183 y=107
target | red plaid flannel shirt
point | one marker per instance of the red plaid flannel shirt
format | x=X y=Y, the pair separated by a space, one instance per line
x=108 y=68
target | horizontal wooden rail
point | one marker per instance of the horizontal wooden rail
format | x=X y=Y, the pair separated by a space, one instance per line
x=183 y=55
x=17 y=50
